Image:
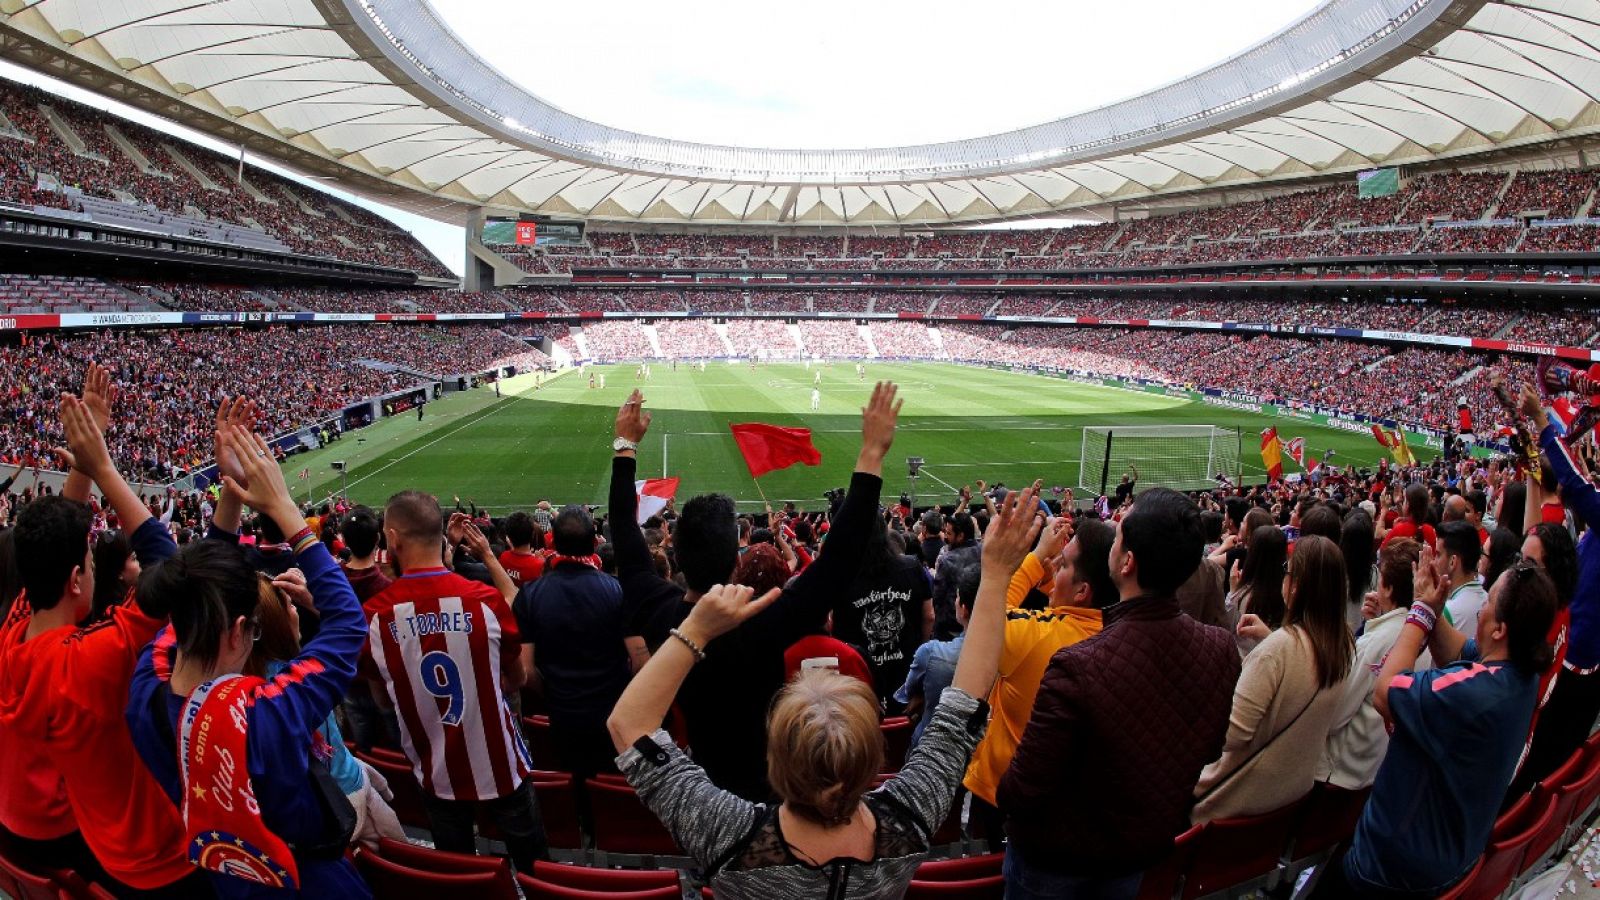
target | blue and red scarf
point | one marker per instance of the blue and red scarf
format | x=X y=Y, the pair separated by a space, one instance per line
x=221 y=818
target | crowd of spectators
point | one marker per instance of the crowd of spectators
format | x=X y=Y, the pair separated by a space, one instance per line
x=171 y=377
x=690 y=339
x=307 y=221
x=617 y=340
x=769 y=338
x=832 y=339
x=904 y=340
x=1321 y=222
x=1424 y=656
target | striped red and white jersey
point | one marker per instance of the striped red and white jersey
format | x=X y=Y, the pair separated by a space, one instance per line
x=441 y=642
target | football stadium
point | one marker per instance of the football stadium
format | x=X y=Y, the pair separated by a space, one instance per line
x=872 y=451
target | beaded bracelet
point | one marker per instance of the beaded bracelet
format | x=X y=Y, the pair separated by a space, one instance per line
x=694 y=648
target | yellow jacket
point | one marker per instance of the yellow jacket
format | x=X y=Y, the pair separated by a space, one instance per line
x=1032 y=637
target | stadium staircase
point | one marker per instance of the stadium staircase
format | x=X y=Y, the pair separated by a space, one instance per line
x=654 y=337
x=1506 y=329
x=937 y=337
x=866 y=338
x=200 y=177
x=1493 y=208
x=72 y=139
x=722 y=332
x=140 y=161
x=1465 y=376
x=579 y=342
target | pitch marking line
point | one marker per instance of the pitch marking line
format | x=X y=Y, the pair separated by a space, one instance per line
x=495 y=410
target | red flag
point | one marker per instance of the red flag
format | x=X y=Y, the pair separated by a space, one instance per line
x=1385 y=440
x=770 y=447
x=1297 y=451
x=653 y=495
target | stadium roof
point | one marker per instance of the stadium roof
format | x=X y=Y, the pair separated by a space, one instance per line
x=381 y=95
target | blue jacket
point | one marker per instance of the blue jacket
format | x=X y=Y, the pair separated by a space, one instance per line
x=281 y=720
x=1583 y=640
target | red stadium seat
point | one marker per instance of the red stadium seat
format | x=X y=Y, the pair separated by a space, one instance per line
x=992 y=887
x=1564 y=789
x=541 y=746
x=1230 y=852
x=1161 y=882
x=407 y=802
x=416 y=856
x=595 y=879
x=558 y=808
x=1327 y=819
x=623 y=824
x=961 y=869
x=1464 y=885
x=1502 y=862
x=1513 y=819
x=393 y=881
x=535 y=889
x=896 y=742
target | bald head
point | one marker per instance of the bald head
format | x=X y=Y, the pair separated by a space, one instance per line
x=1456 y=508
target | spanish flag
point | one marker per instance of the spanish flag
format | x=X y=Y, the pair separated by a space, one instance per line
x=1272 y=454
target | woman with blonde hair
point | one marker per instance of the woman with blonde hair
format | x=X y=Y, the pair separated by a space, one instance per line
x=831 y=834
x=1287 y=695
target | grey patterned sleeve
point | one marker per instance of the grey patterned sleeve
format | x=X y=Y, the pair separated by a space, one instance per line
x=704 y=819
x=927 y=784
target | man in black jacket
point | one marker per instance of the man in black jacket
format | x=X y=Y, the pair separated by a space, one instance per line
x=725 y=699
x=1124 y=721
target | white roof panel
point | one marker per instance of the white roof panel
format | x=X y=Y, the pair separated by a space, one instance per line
x=1408 y=81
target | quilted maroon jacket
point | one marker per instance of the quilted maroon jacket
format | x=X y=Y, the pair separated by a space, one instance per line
x=1124 y=722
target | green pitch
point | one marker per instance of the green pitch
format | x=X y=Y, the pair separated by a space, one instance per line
x=555 y=443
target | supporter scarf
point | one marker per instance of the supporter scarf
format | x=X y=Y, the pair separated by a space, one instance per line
x=592 y=560
x=221 y=819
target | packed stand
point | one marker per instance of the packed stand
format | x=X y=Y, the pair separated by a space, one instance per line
x=305 y=220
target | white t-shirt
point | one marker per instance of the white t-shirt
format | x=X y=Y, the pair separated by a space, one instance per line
x=1464 y=604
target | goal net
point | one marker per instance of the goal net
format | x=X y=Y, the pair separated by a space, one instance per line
x=1181 y=457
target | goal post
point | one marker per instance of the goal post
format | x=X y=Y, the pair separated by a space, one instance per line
x=1181 y=457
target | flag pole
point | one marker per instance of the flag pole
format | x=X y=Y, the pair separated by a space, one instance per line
x=763 y=494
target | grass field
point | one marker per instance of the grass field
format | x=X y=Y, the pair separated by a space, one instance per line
x=967 y=423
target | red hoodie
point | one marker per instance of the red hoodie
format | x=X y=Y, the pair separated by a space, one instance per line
x=64 y=692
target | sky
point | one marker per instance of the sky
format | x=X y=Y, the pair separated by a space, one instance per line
x=845 y=74
x=848 y=73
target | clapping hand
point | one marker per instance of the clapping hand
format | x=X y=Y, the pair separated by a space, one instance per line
x=1425 y=583
x=233 y=412
x=1053 y=538
x=86 y=443
x=262 y=486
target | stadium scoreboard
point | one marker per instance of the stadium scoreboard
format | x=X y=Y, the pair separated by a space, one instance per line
x=531 y=230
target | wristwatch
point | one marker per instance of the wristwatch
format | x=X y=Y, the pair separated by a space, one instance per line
x=622 y=443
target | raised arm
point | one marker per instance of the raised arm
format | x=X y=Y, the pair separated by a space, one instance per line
x=230 y=509
x=303 y=695
x=98 y=395
x=1576 y=491
x=806 y=603
x=463 y=530
x=1013 y=529
x=632 y=553
x=644 y=704
x=87 y=445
